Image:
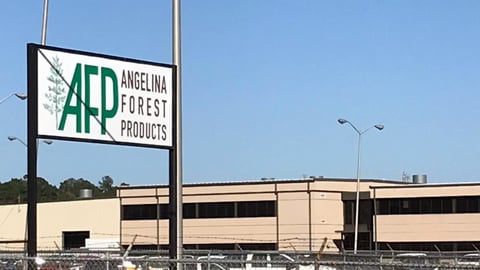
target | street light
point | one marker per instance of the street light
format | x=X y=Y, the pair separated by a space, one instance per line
x=357 y=199
x=13 y=138
x=21 y=96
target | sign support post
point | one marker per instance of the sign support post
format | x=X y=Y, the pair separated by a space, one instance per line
x=32 y=123
x=176 y=183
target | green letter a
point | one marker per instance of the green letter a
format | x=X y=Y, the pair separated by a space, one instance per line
x=76 y=110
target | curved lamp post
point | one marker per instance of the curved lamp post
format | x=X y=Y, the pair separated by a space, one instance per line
x=357 y=199
x=21 y=96
x=13 y=138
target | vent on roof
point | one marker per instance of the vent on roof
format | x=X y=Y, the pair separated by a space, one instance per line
x=86 y=193
x=419 y=178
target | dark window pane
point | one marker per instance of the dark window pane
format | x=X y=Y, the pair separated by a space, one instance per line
x=426 y=205
x=163 y=211
x=75 y=239
x=394 y=206
x=436 y=205
x=365 y=212
x=447 y=205
x=141 y=211
x=383 y=207
x=461 y=205
x=189 y=210
x=216 y=210
x=256 y=209
x=472 y=206
x=348 y=212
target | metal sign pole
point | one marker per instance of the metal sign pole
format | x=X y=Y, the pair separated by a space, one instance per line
x=32 y=141
x=176 y=196
x=32 y=153
x=44 y=22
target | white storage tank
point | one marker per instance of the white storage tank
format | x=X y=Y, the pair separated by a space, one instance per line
x=419 y=178
x=86 y=193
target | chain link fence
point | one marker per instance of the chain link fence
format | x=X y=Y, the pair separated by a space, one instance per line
x=227 y=260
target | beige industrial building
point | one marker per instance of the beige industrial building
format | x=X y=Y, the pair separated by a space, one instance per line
x=427 y=216
x=271 y=214
x=304 y=215
x=61 y=224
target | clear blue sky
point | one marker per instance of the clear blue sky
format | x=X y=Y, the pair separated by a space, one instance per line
x=264 y=83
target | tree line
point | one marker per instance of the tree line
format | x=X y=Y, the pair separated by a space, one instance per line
x=15 y=190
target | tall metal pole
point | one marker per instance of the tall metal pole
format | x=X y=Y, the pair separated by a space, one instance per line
x=176 y=55
x=44 y=22
x=32 y=149
x=357 y=197
x=32 y=153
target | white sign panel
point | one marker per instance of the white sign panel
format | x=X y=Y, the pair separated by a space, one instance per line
x=102 y=98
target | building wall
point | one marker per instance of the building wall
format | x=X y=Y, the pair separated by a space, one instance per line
x=428 y=228
x=445 y=227
x=99 y=217
x=309 y=214
x=12 y=225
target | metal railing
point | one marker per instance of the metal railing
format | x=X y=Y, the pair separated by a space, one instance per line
x=245 y=260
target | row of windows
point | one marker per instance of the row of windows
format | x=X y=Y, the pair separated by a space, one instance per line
x=428 y=205
x=202 y=210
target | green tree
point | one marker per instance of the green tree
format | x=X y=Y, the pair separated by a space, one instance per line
x=56 y=92
x=106 y=187
x=72 y=187
x=14 y=191
x=46 y=192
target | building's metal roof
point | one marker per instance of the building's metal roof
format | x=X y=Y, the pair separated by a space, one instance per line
x=261 y=181
x=426 y=185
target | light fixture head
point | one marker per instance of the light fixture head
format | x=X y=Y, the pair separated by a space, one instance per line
x=342 y=121
x=21 y=96
x=12 y=138
x=48 y=142
x=379 y=127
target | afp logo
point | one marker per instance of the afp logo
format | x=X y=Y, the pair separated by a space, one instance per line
x=89 y=82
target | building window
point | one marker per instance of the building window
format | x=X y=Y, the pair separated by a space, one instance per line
x=434 y=205
x=75 y=239
x=364 y=212
x=256 y=209
x=202 y=210
x=189 y=210
x=426 y=205
x=467 y=205
x=140 y=211
x=349 y=212
x=394 y=206
x=216 y=210
x=163 y=214
x=405 y=204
